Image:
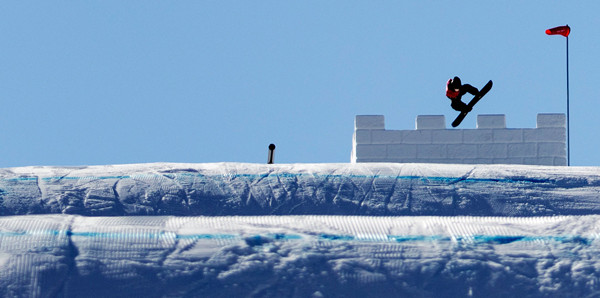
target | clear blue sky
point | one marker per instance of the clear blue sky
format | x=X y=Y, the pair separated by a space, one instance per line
x=111 y=82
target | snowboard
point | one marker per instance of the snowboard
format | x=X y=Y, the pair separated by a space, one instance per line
x=473 y=101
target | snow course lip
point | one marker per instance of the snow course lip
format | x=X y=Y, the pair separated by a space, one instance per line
x=300 y=189
x=291 y=175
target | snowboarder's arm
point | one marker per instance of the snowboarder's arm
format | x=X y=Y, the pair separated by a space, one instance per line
x=450 y=92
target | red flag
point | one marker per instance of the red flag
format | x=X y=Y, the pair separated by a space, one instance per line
x=562 y=30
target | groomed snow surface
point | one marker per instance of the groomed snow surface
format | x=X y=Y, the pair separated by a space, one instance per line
x=300 y=230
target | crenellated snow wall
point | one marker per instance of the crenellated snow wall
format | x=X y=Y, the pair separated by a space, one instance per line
x=490 y=143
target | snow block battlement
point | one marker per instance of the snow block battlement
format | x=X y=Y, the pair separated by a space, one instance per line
x=490 y=143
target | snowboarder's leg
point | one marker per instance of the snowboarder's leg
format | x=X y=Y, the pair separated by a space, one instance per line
x=460 y=106
x=468 y=88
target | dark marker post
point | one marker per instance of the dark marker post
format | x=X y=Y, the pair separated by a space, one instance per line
x=271 y=153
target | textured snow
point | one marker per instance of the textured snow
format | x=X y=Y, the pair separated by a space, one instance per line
x=301 y=189
x=300 y=230
x=299 y=256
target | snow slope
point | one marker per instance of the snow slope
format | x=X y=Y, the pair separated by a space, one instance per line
x=300 y=189
x=306 y=230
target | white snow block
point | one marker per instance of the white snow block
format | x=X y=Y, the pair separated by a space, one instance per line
x=550 y=134
x=552 y=149
x=371 y=151
x=386 y=136
x=447 y=136
x=507 y=135
x=495 y=150
x=417 y=136
x=560 y=161
x=475 y=161
x=477 y=136
x=362 y=136
x=431 y=151
x=431 y=122
x=540 y=161
x=369 y=122
x=508 y=161
x=517 y=150
x=551 y=120
x=491 y=121
x=402 y=151
x=458 y=151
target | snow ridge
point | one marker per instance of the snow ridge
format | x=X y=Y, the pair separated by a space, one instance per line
x=342 y=189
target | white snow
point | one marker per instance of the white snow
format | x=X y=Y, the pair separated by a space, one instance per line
x=297 y=189
x=490 y=143
x=300 y=230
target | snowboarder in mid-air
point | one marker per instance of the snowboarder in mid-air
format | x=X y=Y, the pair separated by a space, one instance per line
x=455 y=90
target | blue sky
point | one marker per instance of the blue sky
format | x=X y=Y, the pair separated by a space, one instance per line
x=110 y=82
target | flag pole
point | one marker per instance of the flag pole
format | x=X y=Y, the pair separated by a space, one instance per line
x=565 y=31
x=568 y=127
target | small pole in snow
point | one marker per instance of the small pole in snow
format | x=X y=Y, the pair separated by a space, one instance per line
x=271 y=153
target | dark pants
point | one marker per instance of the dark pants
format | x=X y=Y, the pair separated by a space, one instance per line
x=460 y=106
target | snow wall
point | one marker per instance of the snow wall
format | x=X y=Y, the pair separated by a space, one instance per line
x=300 y=230
x=490 y=143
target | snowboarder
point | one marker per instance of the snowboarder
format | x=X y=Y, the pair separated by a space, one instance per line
x=455 y=90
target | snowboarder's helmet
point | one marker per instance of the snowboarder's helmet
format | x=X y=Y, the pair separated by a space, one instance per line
x=455 y=83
